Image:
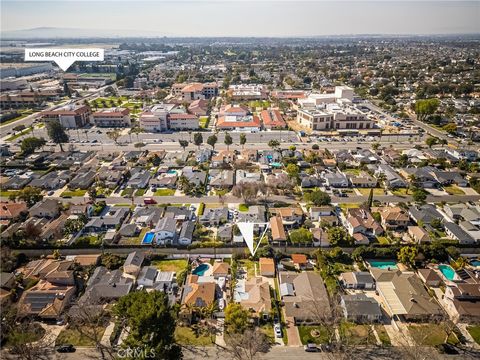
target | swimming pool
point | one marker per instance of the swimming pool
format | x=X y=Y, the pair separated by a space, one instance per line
x=171 y=171
x=475 y=263
x=276 y=164
x=383 y=264
x=148 y=238
x=447 y=271
x=200 y=269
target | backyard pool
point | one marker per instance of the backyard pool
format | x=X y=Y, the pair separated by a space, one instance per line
x=383 y=264
x=276 y=164
x=447 y=271
x=171 y=171
x=148 y=238
x=475 y=263
x=200 y=269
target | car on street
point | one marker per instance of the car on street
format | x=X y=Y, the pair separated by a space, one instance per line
x=311 y=348
x=278 y=330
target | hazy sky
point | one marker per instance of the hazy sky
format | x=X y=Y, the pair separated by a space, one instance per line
x=246 y=18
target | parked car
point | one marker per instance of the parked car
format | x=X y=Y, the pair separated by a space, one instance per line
x=66 y=348
x=149 y=201
x=278 y=330
x=311 y=348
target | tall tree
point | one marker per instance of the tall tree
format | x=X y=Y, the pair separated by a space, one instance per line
x=212 y=140
x=228 y=140
x=30 y=144
x=243 y=139
x=57 y=133
x=425 y=108
x=152 y=323
x=183 y=144
x=274 y=144
x=198 y=139
x=114 y=135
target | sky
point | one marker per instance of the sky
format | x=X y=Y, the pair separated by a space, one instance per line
x=244 y=18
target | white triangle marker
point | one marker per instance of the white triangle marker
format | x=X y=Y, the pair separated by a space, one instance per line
x=247 y=232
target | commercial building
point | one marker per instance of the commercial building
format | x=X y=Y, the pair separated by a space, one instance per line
x=70 y=116
x=272 y=119
x=248 y=92
x=113 y=117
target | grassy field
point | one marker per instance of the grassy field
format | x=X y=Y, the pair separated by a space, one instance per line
x=170 y=265
x=71 y=336
x=203 y=122
x=430 y=334
x=133 y=240
x=19 y=134
x=140 y=192
x=400 y=192
x=88 y=240
x=187 y=336
x=306 y=335
x=345 y=207
x=366 y=191
x=354 y=334
x=475 y=332
x=249 y=265
x=165 y=192
x=73 y=193
x=7 y=193
x=243 y=207
x=382 y=334
x=453 y=190
x=383 y=240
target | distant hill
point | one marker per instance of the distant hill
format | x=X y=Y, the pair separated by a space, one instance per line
x=54 y=32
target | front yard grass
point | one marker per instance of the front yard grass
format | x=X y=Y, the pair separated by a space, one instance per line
x=170 y=265
x=72 y=336
x=243 y=207
x=268 y=330
x=453 y=190
x=474 y=331
x=164 y=192
x=88 y=240
x=400 y=192
x=354 y=334
x=7 y=193
x=203 y=122
x=140 y=192
x=249 y=265
x=187 y=336
x=366 y=191
x=73 y=193
x=35 y=333
x=314 y=334
x=383 y=240
x=430 y=334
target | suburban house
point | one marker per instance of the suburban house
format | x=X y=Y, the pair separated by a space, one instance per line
x=424 y=213
x=336 y=179
x=463 y=301
x=430 y=277
x=455 y=232
x=277 y=229
x=357 y=280
x=418 y=234
x=267 y=267
x=394 y=218
x=111 y=218
x=185 y=236
x=291 y=216
x=256 y=298
x=133 y=264
x=392 y=179
x=360 y=220
x=300 y=261
x=197 y=294
x=165 y=230
x=404 y=295
x=11 y=210
x=324 y=214
x=46 y=208
x=360 y=308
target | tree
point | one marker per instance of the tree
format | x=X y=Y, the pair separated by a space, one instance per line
x=31 y=195
x=151 y=321
x=30 y=144
x=426 y=107
x=114 y=135
x=236 y=318
x=212 y=140
x=338 y=236
x=407 y=255
x=243 y=139
x=450 y=128
x=248 y=345
x=198 y=139
x=301 y=236
x=375 y=146
x=19 y=335
x=57 y=133
x=228 y=140
x=370 y=199
x=318 y=198
x=419 y=195
x=111 y=261
x=431 y=140
x=183 y=144
x=274 y=144
x=246 y=191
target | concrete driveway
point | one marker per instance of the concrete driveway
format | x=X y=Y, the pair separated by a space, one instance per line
x=292 y=332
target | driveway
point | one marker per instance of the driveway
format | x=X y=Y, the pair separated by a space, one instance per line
x=292 y=332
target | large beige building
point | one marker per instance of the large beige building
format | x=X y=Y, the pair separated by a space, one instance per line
x=113 y=117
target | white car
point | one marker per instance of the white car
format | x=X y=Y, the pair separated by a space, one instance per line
x=278 y=330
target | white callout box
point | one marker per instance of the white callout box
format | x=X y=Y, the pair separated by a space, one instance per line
x=64 y=58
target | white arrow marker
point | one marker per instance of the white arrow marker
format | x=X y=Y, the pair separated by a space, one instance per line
x=247 y=229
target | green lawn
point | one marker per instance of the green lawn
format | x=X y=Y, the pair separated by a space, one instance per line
x=383 y=240
x=88 y=240
x=170 y=265
x=382 y=334
x=268 y=330
x=366 y=191
x=345 y=207
x=165 y=192
x=308 y=335
x=71 y=336
x=7 y=193
x=73 y=193
x=352 y=171
x=474 y=330
x=203 y=122
x=19 y=134
x=187 y=336
x=400 y=192
x=35 y=333
x=133 y=240
x=453 y=190
x=243 y=207
x=354 y=334
x=249 y=265
x=140 y=192
x=430 y=334
x=128 y=192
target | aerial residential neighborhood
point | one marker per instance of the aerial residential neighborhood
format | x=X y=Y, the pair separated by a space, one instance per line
x=241 y=197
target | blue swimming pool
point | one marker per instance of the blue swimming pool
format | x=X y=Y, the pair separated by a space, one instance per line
x=276 y=164
x=447 y=271
x=475 y=263
x=200 y=269
x=171 y=171
x=148 y=238
x=383 y=264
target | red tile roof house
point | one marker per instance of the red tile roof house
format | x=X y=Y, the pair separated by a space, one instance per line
x=300 y=261
x=10 y=211
x=361 y=221
x=272 y=119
